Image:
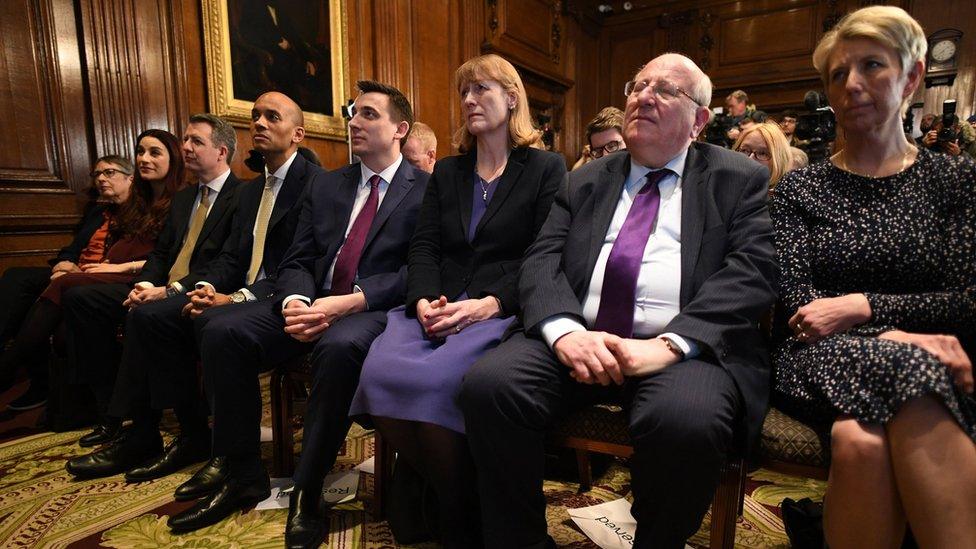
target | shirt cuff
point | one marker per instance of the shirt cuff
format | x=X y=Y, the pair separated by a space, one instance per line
x=248 y=295
x=285 y=301
x=178 y=287
x=688 y=347
x=357 y=290
x=144 y=285
x=557 y=326
x=202 y=284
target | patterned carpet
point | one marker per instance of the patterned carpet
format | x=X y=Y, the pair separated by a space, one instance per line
x=42 y=506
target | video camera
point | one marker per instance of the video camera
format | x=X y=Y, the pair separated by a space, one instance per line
x=948 y=132
x=717 y=133
x=817 y=126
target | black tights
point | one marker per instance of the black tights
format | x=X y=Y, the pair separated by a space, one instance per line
x=442 y=457
x=31 y=346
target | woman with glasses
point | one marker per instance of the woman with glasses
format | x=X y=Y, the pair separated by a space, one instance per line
x=766 y=144
x=876 y=248
x=481 y=211
x=137 y=206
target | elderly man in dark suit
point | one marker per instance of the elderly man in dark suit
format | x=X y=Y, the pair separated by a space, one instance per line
x=198 y=223
x=646 y=283
x=158 y=368
x=344 y=270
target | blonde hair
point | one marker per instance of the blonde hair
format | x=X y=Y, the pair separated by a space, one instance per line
x=780 y=158
x=889 y=26
x=521 y=131
x=423 y=133
x=800 y=158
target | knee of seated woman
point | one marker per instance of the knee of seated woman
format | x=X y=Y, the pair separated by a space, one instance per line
x=854 y=442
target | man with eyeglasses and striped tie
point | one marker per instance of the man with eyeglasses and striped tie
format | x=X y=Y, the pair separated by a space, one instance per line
x=645 y=287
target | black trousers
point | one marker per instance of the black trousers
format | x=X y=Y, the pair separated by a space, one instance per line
x=238 y=343
x=19 y=289
x=92 y=315
x=681 y=425
x=158 y=368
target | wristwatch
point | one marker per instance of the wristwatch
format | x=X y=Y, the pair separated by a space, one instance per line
x=237 y=297
x=171 y=291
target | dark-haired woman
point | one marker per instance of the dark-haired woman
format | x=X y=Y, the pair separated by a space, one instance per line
x=116 y=252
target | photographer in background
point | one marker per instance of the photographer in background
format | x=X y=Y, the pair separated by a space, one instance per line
x=947 y=135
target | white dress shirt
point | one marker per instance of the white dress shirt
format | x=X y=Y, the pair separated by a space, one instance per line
x=279 y=181
x=659 y=281
x=215 y=186
x=362 y=194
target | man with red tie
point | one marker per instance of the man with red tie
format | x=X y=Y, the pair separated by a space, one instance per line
x=345 y=268
x=645 y=285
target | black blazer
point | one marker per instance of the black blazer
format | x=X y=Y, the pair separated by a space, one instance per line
x=442 y=262
x=728 y=265
x=228 y=272
x=90 y=222
x=322 y=228
x=209 y=243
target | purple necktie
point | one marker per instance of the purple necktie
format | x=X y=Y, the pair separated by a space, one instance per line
x=616 y=314
x=352 y=249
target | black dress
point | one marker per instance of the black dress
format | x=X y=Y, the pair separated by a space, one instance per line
x=907 y=242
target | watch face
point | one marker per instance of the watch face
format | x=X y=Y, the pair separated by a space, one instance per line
x=943 y=51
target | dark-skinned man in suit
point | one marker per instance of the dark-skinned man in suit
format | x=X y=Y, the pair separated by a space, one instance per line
x=646 y=284
x=344 y=270
x=193 y=235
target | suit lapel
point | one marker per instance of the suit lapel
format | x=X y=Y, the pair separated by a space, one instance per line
x=463 y=181
x=291 y=188
x=218 y=208
x=607 y=194
x=507 y=182
x=402 y=183
x=692 y=218
x=346 y=197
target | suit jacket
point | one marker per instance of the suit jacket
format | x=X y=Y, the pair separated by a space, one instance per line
x=322 y=228
x=90 y=222
x=228 y=272
x=728 y=266
x=211 y=240
x=443 y=262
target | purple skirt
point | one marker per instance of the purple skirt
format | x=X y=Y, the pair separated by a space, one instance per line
x=407 y=376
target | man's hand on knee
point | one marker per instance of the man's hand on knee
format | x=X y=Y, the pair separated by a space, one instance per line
x=302 y=322
x=588 y=355
x=639 y=357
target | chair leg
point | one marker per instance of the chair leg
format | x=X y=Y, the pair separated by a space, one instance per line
x=725 y=505
x=382 y=473
x=283 y=462
x=585 y=471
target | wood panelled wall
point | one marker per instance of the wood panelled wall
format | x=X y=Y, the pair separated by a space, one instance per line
x=81 y=78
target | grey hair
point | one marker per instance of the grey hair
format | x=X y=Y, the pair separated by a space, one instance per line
x=222 y=133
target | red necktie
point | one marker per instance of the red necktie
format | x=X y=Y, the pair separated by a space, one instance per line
x=352 y=249
x=616 y=313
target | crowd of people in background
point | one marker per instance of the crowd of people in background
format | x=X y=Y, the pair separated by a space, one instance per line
x=461 y=306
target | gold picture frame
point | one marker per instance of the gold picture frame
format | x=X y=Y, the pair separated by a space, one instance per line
x=221 y=67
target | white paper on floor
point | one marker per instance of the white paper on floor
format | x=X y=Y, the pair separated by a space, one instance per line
x=266 y=434
x=367 y=466
x=337 y=488
x=610 y=525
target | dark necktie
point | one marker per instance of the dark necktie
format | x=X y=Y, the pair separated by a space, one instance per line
x=616 y=313
x=352 y=249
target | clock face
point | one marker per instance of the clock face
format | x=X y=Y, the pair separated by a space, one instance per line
x=943 y=51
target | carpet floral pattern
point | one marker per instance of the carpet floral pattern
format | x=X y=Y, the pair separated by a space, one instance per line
x=42 y=506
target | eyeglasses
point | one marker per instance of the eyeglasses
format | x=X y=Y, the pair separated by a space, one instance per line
x=612 y=146
x=663 y=90
x=109 y=172
x=763 y=156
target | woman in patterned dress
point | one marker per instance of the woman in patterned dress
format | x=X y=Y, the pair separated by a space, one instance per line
x=878 y=254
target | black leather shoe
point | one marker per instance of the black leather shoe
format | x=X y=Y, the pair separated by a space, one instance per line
x=180 y=453
x=305 y=527
x=104 y=432
x=233 y=495
x=204 y=482
x=119 y=456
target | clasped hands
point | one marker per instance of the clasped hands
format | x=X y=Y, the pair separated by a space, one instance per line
x=307 y=323
x=441 y=318
x=600 y=357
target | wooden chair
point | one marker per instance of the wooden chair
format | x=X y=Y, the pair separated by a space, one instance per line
x=787 y=446
x=283 y=415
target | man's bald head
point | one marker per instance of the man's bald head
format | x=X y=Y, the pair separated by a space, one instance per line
x=289 y=107
x=698 y=84
x=277 y=127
